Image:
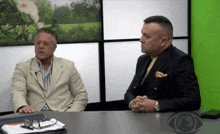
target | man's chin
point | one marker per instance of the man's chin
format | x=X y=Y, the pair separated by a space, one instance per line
x=143 y=51
x=40 y=58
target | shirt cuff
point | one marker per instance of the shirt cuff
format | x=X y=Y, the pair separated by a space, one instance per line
x=157 y=106
x=130 y=104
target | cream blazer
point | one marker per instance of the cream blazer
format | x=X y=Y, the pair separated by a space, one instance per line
x=65 y=93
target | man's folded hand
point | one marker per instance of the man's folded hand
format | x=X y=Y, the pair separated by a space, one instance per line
x=143 y=104
x=26 y=109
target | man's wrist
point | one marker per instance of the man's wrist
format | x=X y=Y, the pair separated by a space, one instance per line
x=20 y=108
x=157 y=106
x=129 y=105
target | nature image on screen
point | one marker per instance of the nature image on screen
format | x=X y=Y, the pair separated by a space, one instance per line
x=73 y=20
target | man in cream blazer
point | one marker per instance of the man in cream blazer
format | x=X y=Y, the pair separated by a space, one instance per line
x=61 y=90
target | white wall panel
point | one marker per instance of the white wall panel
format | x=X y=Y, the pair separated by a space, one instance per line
x=181 y=44
x=9 y=57
x=123 y=19
x=85 y=57
x=120 y=65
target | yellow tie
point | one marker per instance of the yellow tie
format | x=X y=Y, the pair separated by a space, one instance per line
x=151 y=65
x=148 y=69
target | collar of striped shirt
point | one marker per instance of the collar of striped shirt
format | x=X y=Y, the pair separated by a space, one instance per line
x=40 y=64
x=46 y=74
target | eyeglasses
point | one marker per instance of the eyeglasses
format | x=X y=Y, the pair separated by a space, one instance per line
x=35 y=124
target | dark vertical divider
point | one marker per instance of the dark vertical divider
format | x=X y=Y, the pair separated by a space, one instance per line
x=102 y=61
x=102 y=73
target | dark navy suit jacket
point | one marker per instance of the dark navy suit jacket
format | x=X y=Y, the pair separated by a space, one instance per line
x=179 y=91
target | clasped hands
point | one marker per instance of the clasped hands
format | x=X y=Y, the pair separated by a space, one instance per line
x=143 y=104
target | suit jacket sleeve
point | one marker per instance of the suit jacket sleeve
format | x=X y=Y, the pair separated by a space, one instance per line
x=188 y=95
x=19 y=90
x=78 y=90
x=131 y=91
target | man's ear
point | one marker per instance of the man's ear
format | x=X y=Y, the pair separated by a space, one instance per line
x=164 y=41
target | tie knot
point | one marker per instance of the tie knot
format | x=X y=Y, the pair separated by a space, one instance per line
x=154 y=59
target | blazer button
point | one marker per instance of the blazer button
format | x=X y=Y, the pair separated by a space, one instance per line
x=155 y=88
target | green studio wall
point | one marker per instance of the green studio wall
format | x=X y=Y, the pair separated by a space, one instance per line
x=205 y=50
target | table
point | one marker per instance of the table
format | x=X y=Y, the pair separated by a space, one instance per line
x=128 y=122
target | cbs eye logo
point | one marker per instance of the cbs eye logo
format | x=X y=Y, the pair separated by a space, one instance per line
x=185 y=123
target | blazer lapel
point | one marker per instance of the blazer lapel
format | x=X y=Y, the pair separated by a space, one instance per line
x=146 y=64
x=159 y=64
x=56 y=73
x=143 y=70
x=35 y=71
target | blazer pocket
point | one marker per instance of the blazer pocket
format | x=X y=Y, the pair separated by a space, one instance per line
x=163 y=82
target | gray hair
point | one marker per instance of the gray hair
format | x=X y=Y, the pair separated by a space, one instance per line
x=47 y=30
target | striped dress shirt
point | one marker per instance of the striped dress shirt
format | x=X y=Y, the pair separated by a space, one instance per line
x=46 y=76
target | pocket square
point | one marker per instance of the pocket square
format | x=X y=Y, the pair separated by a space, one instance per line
x=160 y=74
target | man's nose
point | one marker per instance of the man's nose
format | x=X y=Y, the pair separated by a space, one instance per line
x=141 y=39
x=41 y=45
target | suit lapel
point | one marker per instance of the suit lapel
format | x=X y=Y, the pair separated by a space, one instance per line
x=56 y=73
x=35 y=71
x=159 y=64
x=144 y=66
